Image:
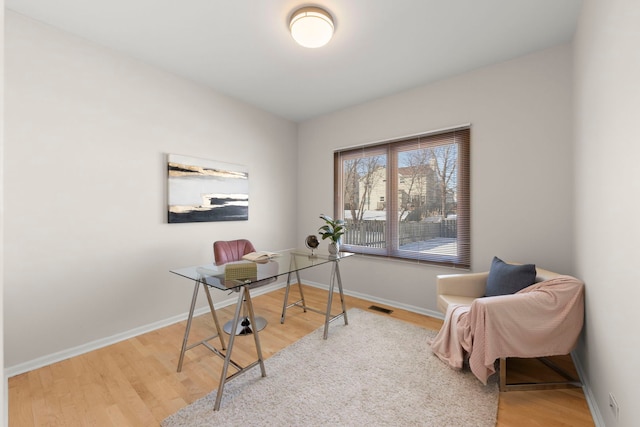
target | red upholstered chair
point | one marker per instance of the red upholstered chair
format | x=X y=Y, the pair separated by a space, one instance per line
x=230 y=251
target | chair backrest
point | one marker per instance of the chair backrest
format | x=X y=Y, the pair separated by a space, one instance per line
x=231 y=250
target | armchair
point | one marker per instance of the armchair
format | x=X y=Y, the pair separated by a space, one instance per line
x=541 y=320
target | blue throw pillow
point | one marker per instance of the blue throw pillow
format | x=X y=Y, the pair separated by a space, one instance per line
x=505 y=279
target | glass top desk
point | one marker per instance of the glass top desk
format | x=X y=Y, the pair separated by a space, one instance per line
x=242 y=276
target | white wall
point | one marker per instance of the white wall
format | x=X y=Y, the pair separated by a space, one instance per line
x=87 y=246
x=521 y=167
x=4 y=388
x=607 y=108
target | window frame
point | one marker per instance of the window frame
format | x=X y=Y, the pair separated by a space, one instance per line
x=460 y=135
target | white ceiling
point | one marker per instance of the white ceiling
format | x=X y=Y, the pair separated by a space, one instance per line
x=242 y=48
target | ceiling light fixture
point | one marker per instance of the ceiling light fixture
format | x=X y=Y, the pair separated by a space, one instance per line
x=311 y=26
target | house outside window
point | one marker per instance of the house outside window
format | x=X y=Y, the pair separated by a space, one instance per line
x=422 y=186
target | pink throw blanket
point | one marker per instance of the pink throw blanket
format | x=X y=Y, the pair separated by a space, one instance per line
x=544 y=319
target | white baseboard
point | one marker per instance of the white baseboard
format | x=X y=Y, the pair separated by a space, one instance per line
x=103 y=342
x=390 y=303
x=588 y=394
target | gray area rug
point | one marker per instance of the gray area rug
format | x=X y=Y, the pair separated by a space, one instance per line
x=376 y=371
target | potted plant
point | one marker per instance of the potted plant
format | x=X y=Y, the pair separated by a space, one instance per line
x=333 y=230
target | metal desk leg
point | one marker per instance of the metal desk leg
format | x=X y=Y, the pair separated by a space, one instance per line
x=285 y=304
x=188 y=328
x=256 y=338
x=344 y=308
x=213 y=314
x=335 y=275
x=243 y=297
x=227 y=359
x=327 y=317
x=286 y=297
x=304 y=304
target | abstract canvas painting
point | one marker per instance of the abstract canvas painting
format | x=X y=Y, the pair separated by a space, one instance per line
x=203 y=190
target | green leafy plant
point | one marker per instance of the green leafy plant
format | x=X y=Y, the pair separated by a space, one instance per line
x=333 y=229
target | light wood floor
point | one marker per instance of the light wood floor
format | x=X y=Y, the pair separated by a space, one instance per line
x=135 y=383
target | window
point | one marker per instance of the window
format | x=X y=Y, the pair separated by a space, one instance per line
x=425 y=182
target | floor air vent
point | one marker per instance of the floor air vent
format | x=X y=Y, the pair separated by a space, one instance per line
x=381 y=309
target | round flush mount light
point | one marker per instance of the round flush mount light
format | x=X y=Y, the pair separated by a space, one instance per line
x=311 y=27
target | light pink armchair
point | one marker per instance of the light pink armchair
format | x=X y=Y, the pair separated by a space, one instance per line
x=549 y=312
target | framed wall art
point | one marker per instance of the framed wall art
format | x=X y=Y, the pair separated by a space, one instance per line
x=201 y=190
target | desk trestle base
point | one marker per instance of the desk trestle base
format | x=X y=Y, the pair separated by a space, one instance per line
x=335 y=276
x=204 y=342
x=244 y=300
